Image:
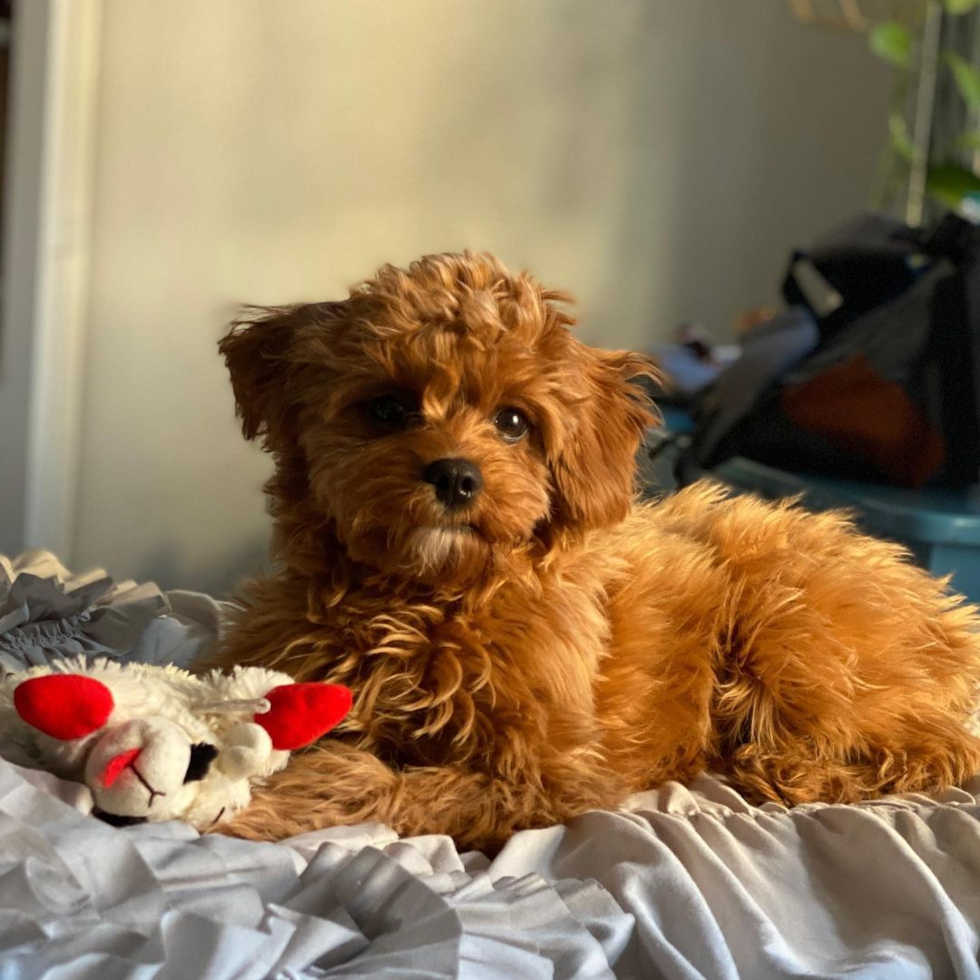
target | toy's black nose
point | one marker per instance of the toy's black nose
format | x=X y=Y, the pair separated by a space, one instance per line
x=457 y=481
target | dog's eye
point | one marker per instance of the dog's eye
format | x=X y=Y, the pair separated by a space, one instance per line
x=511 y=423
x=389 y=411
x=202 y=755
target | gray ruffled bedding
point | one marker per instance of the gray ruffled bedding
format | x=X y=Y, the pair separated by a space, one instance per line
x=684 y=883
x=47 y=612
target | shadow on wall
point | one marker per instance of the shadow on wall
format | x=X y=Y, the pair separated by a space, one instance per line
x=750 y=156
x=221 y=576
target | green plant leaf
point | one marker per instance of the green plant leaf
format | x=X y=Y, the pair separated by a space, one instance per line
x=891 y=42
x=967 y=78
x=959 y=6
x=949 y=183
x=898 y=135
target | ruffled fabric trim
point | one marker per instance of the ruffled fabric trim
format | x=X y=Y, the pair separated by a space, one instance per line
x=162 y=900
x=47 y=612
x=691 y=883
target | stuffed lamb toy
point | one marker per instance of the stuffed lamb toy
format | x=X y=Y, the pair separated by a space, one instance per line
x=158 y=743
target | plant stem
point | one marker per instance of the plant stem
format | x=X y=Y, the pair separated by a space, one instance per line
x=922 y=125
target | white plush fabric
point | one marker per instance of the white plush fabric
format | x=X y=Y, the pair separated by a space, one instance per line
x=691 y=883
x=158 y=712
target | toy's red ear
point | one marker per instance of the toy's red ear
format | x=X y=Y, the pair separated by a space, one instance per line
x=64 y=706
x=301 y=713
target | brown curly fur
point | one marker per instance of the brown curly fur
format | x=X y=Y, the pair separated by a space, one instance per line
x=568 y=645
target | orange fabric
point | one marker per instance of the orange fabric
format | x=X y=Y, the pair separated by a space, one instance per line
x=868 y=416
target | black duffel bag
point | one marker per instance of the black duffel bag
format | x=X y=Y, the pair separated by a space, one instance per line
x=870 y=374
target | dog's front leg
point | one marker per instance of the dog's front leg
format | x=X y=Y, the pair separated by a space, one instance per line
x=337 y=784
x=328 y=785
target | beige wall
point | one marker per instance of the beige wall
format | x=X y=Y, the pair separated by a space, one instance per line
x=657 y=158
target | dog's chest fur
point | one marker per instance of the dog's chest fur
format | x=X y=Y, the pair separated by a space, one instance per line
x=437 y=683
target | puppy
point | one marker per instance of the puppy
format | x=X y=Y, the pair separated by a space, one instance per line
x=459 y=543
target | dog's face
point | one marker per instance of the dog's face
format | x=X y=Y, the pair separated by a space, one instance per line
x=443 y=416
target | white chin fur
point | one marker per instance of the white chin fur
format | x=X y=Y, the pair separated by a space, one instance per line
x=436 y=546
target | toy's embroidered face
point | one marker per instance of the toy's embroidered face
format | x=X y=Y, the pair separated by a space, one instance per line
x=189 y=758
x=145 y=768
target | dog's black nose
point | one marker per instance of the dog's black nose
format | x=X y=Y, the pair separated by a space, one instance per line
x=457 y=481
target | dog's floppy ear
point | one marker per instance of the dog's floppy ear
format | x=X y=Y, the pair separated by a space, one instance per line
x=257 y=351
x=594 y=469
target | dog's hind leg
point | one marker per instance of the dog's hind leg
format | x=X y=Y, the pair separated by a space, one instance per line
x=806 y=660
x=847 y=672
